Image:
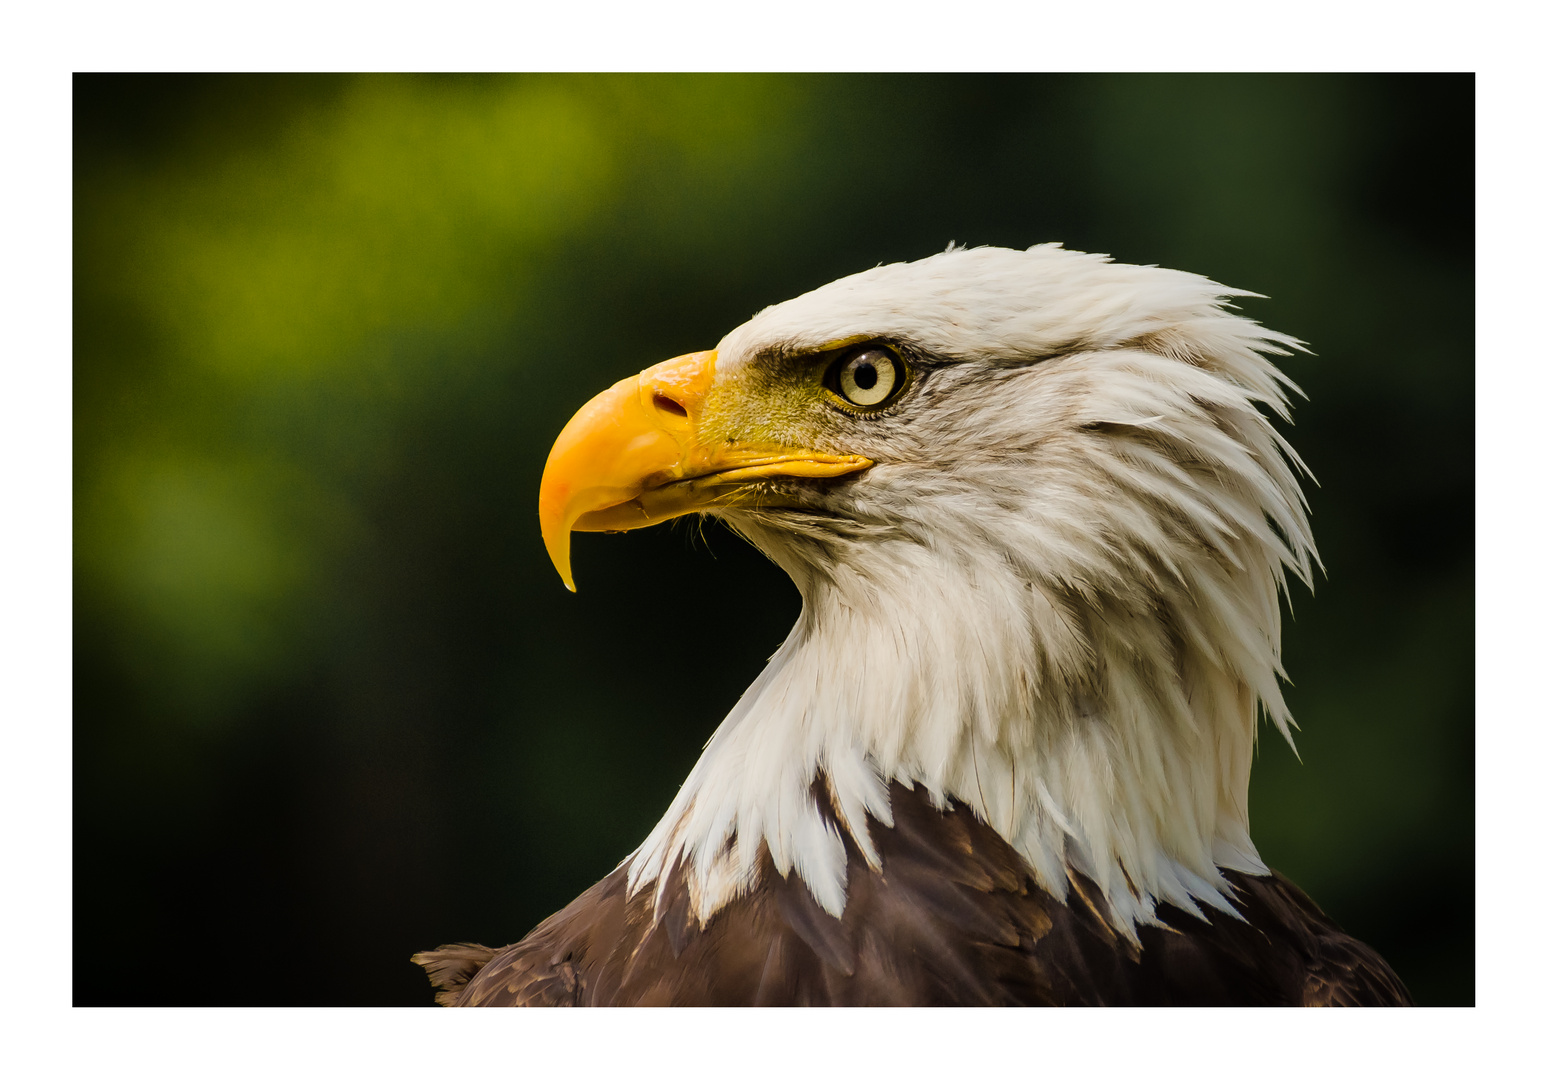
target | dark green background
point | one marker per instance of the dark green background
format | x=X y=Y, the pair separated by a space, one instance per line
x=333 y=704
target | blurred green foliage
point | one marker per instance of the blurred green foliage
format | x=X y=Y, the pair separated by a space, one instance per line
x=332 y=703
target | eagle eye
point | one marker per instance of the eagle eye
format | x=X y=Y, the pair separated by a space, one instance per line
x=867 y=377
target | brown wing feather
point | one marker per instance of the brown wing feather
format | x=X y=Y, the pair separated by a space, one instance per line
x=952 y=918
x=451 y=966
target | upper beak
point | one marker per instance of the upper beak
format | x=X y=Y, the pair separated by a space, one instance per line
x=632 y=457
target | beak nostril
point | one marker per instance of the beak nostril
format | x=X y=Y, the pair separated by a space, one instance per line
x=666 y=404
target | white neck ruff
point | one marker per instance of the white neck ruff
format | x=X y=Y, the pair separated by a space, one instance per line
x=1068 y=626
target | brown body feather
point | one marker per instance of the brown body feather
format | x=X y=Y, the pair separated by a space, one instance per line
x=951 y=918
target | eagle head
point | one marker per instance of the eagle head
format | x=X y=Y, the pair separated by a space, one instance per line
x=1039 y=519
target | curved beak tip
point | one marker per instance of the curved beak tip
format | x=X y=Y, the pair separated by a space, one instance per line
x=557 y=541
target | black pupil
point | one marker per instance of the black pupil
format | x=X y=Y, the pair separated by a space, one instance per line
x=865 y=375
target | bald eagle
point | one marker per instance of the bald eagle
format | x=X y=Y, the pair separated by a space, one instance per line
x=1040 y=520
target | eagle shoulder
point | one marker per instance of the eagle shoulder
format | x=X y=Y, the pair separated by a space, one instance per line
x=1339 y=969
x=1282 y=951
x=951 y=917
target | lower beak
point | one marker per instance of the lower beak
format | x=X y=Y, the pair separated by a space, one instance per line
x=632 y=457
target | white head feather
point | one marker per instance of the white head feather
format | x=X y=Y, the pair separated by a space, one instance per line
x=1053 y=600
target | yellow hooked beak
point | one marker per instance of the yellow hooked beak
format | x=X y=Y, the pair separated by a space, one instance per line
x=632 y=457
